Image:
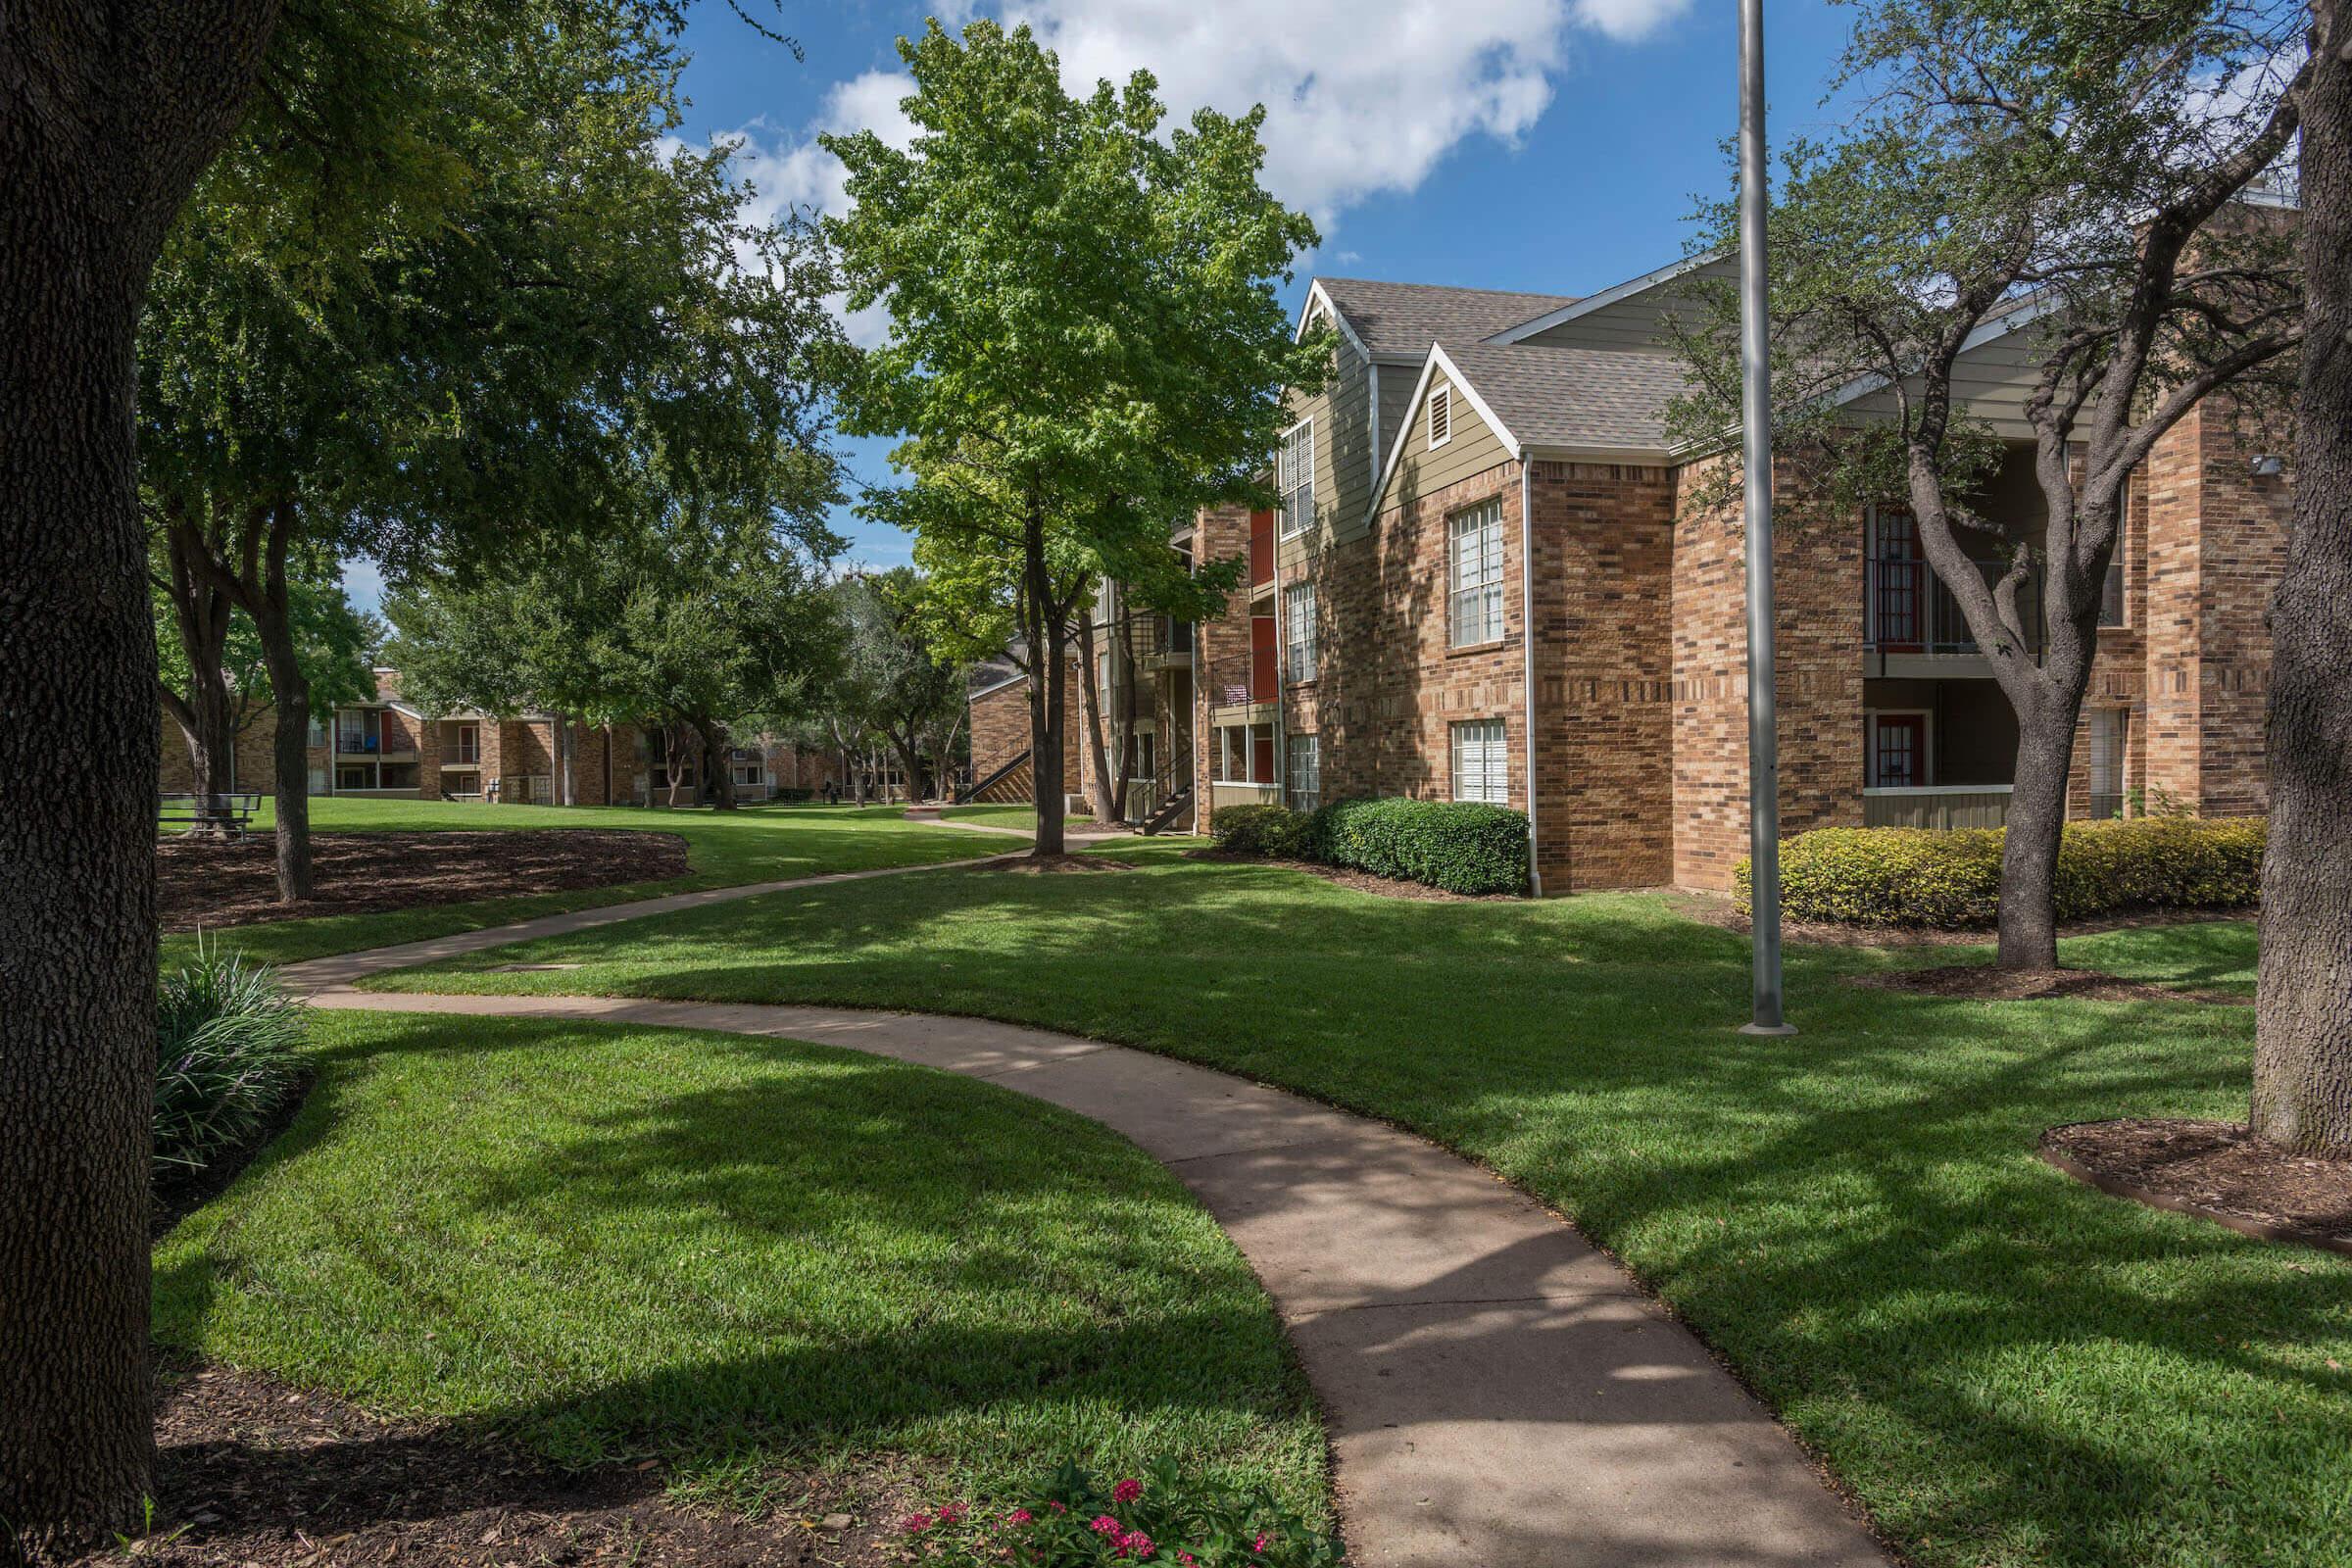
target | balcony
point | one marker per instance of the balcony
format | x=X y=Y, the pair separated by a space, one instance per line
x=1907 y=610
x=1237 y=680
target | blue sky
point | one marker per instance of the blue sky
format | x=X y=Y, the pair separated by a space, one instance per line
x=1551 y=145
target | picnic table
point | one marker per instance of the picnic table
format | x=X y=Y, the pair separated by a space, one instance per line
x=229 y=812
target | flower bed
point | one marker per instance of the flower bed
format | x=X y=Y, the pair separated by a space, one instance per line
x=1074 y=1519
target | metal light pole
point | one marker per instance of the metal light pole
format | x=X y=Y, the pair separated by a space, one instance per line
x=1755 y=397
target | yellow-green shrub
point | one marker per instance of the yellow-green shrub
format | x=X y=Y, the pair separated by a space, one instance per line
x=1902 y=876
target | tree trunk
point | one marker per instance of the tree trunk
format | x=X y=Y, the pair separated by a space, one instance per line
x=270 y=608
x=206 y=716
x=2029 y=923
x=717 y=771
x=2303 y=1019
x=106 y=117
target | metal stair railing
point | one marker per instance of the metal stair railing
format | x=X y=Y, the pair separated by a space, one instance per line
x=972 y=792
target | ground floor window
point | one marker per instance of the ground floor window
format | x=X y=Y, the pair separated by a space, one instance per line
x=1304 y=776
x=1898 y=750
x=397 y=776
x=2110 y=734
x=354 y=776
x=1482 y=763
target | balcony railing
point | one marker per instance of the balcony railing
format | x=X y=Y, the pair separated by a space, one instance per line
x=1239 y=678
x=1907 y=610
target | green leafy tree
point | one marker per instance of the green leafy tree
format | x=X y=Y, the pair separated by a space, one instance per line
x=213 y=673
x=697 y=623
x=1085 y=342
x=2303 y=1029
x=898 y=686
x=547 y=289
x=2077 y=169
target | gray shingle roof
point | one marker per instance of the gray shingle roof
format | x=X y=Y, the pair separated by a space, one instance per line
x=1562 y=396
x=1401 y=320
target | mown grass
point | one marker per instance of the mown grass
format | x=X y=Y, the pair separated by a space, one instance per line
x=727 y=1253
x=2007 y=1367
x=1023 y=817
x=2207 y=956
x=754 y=843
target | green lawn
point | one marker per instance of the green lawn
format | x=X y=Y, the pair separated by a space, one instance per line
x=754 y=843
x=2007 y=1367
x=726 y=1253
x=1023 y=817
x=2211 y=956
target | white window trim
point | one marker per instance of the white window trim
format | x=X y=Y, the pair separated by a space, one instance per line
x=1455 y=638
x=1291 y=792
x=1288 y=524
x=1441 y=397
x=1293 y=642
x=1454 y=760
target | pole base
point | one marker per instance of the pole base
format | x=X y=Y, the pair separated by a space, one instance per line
x=1772 y=1029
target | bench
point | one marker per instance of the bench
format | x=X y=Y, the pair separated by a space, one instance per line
x=229 y=812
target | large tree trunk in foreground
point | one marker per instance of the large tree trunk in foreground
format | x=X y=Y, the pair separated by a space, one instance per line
x=107 y=114
x=2303 y=1029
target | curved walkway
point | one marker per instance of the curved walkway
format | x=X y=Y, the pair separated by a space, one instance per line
x=1499 y=1393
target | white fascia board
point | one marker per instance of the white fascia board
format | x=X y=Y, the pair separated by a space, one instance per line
x=1404 y=431
x=1986 y=332
x=991 y=691
x=1607 y=297
x=1461 y=385
x=1315 y=293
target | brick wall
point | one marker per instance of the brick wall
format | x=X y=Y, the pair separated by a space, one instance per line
x=2215 y=546
x=255 y=749
x=1000 y=729
x=1817 y=627
x=1219 y=534
x=1603 y=555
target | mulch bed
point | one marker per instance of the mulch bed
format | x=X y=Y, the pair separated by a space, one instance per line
x=1055 y=864
x=1385 y=887
x=206 y=883
x=1986 y=982
x=2214 y=1170
x=250 y=1471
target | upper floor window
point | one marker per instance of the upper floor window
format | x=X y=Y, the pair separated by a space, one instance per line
x=1482 y=763
x=1440 y=417
x=2111 y=597
x=1474 y=576
x=1299 y=631
x=1295 y=477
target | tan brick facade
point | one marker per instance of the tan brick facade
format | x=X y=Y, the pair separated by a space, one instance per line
x=1000 y=730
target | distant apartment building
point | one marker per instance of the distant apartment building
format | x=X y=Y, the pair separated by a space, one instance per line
x=389 y=749
x=1489 y=579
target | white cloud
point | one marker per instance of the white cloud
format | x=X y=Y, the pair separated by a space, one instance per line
x=1628 y=21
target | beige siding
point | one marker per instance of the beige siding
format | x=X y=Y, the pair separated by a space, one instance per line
x=1344 y=461
x=1473 y=449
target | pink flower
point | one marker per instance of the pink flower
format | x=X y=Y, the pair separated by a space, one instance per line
x=951 y=1513
x=1127 y=1492
x=1104 y=1525
x=1021 y=1516
x=915 y=1522
x=1059 y=1507
x=1138 y=1543
x=1188 y=1559
x=1257 y=1547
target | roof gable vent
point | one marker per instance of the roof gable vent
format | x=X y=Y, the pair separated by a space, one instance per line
x=1441 y=416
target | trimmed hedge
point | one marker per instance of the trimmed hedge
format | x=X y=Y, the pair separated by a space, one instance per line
x=1274 y=831
x=1461 y=846
x=1902 y=876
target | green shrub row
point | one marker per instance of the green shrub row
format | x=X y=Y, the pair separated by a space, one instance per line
x=1951 y=880
x=1459 y=846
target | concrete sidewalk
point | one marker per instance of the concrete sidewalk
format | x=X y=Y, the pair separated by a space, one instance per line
x=1499 y=1394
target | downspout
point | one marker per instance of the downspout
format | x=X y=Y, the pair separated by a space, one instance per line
x=1527 y=650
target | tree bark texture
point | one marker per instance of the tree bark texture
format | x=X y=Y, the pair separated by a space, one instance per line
x=271 y=605
x=2303 y=1021
x=108 y=112
x=716 y=767
x=206 y=716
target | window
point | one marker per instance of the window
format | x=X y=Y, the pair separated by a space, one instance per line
x=1482 y=763
x=2111 y=597
x=1440 y=417
x=1304 y=776
x=1898 y=750
x=468 y=743
x=1233 y=754
x=397 y=776
x=2109 y=729
x=1295 y=477
x=1299 y=631
x=355 y=776
x=1476 y=575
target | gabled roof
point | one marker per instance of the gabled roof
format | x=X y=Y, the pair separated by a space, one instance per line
x=1574 y=399
x=1398 y=321
x=1569 y=310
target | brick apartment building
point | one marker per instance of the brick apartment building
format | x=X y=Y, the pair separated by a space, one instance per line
x=1486 y=537
x=389 y=749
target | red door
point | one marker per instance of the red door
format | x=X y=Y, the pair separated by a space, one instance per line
x=1261 y=547
x=1262 y=687
x=1898 y=750
x=1261 y=758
